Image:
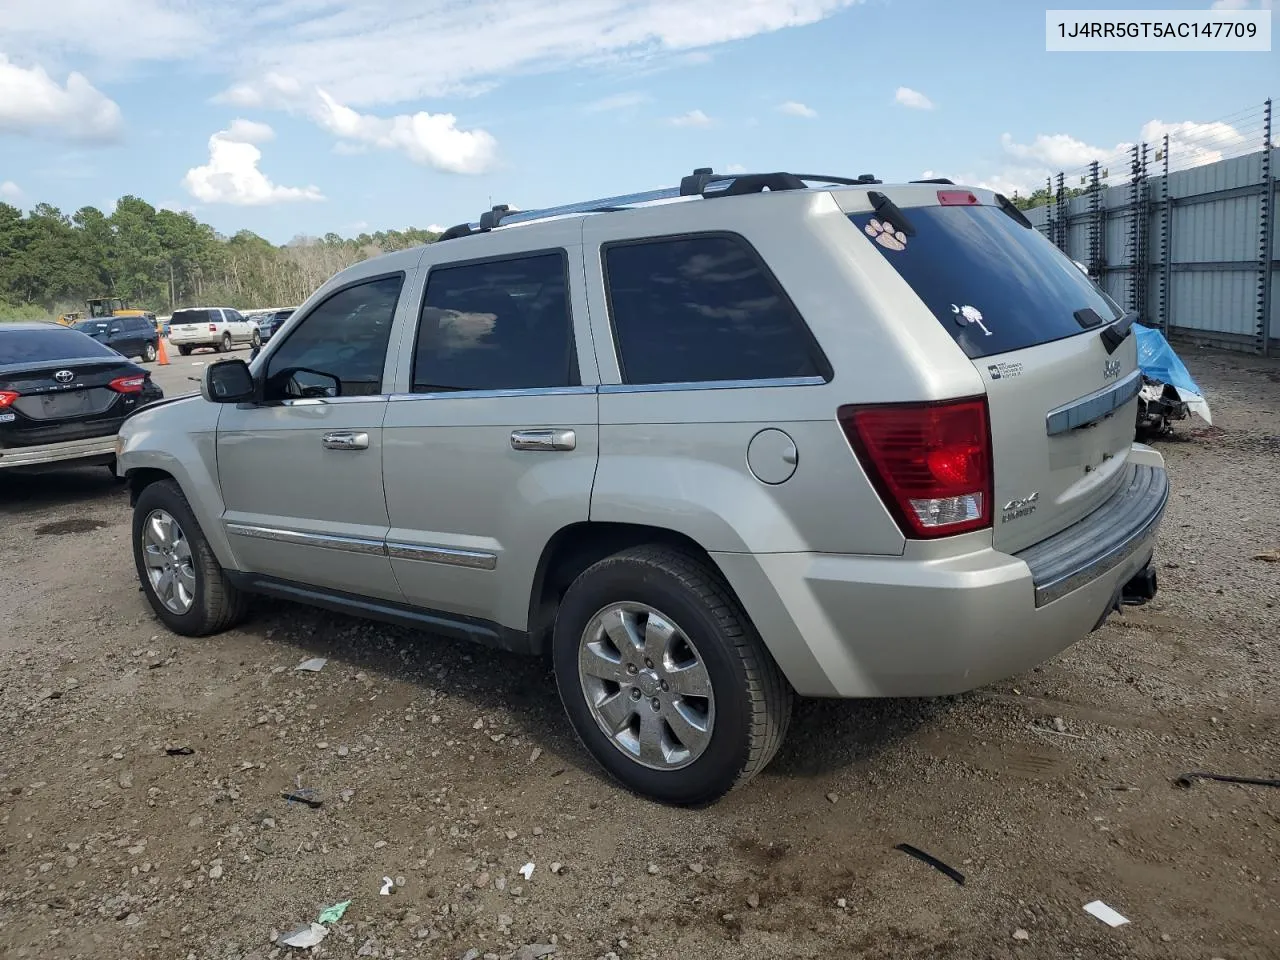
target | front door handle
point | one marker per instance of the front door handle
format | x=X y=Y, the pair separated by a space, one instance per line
x=544 y=440
x=346 y=440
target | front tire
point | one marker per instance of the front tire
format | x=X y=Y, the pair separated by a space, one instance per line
x=181 y=577
x=226 y=343
x=256 y=339
x=664 y=678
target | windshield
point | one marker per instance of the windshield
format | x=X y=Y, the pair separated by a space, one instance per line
x=993 y=284
x=91 y=326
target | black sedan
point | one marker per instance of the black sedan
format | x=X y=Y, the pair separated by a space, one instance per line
x=63 y=396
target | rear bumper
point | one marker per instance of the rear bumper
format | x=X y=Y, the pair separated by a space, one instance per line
x=916 y=625
x=99 y=449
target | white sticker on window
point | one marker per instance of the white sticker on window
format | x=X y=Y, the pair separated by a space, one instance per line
x=968 y=314
x=885 y=235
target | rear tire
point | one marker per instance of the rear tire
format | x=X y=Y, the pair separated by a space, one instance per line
x=226 y=343
x=209 y=602
x=736 y=730
x=148 y=353
x=256 y=339
x=185 y=351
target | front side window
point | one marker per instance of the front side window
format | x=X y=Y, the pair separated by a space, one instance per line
x=497 y=325
x=699 y=309
x=340 y=348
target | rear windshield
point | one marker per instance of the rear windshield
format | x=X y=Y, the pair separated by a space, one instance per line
x=994 y=284
x=49 y=346
x=189 y=316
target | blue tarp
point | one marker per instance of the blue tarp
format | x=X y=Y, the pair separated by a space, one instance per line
x=1157 y=361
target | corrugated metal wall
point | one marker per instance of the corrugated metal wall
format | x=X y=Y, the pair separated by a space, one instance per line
x=1209 y=287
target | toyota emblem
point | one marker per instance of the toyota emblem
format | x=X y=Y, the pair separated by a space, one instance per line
x=64 y=376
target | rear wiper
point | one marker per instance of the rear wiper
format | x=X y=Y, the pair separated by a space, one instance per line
x=888 y=210
x=1114 y=334
x=1118 y=332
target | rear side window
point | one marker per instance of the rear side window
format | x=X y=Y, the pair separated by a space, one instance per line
x=699 y=309
x=189 y=316
x=993 y=284
x=49 y=346
x=497 y=325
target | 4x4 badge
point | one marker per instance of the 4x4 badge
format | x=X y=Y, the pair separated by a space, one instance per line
x=1020 y=508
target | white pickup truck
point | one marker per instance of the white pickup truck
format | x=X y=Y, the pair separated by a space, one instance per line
x=219 y=328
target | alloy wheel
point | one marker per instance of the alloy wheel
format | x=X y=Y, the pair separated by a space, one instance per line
x=166 y=555
x=646 y=685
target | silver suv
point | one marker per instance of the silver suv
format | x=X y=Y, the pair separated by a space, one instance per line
x=707 y=448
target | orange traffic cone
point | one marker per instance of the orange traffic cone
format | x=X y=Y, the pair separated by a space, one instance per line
x=162 y=355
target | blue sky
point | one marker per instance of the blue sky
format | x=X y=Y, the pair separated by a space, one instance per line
x=292 y=117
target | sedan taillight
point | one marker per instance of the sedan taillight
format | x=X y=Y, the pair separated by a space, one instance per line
x=7 y=397
x=127 y=384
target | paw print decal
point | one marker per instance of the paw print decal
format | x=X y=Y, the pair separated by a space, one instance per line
x=883 y=233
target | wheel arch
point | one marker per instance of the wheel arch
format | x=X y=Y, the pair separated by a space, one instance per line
x=576 y=547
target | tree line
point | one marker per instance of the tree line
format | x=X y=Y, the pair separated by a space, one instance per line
x=160 y=260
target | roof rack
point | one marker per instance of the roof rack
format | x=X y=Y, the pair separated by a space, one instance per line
x=703 y=182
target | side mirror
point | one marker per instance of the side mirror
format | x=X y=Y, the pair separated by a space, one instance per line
x=227 y=382
x=114 y=330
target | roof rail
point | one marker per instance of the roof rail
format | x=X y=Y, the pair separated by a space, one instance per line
x=703 y=182
x=936 y=180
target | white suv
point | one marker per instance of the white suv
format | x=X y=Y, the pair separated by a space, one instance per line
x=219 y=328
x=758 y=439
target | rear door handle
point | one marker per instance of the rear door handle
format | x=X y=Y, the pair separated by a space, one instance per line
x=346 y=440
x=543 y=440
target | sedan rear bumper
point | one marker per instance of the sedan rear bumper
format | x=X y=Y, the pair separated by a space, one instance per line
x=97 y=449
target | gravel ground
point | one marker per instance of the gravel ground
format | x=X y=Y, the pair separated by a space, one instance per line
x=446 y=768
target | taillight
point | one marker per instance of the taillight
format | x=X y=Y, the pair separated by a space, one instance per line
x=957 y=198
x=127 y=384
x=213 y=328
x=931 y=462
x=7 y=397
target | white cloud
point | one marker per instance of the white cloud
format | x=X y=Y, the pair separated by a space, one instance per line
x=436 y=228
x=249 y=131
x=232 y=175
x=10 y=192
x=913 y=99
x=32 y=102
x=367 y=52
x=432 y=139
x=105 y=32
x=793 y=108
x=694 y=118
x=735 y=168
x=1026 y=166
x=1242 y=5
x=619 y=101
x=1192 y=144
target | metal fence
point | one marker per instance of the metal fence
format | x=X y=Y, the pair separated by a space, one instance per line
x=1181 y=231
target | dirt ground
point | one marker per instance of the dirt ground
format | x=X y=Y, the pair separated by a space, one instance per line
x=447 y=768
